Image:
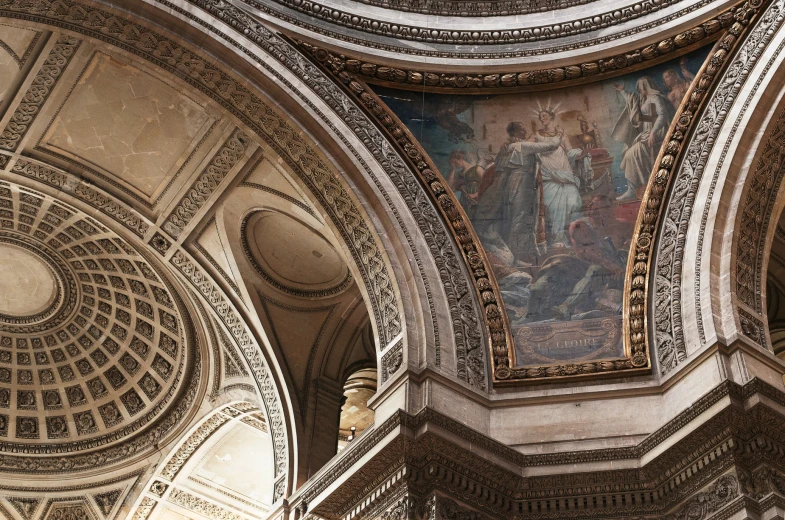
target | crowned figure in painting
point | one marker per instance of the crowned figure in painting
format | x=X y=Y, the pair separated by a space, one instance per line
x=507 y=213
x=560 y=184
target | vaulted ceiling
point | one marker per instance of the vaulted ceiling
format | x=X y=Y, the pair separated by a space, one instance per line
x=107 y=360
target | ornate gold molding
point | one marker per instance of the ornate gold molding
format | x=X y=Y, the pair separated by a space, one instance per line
x=532 y=80
x=487 y=289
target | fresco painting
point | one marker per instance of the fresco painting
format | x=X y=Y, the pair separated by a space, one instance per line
x=552 y=182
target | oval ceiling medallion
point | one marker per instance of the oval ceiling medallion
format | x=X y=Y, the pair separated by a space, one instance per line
x=93 y=340
x=293 y=257
x=28 y=286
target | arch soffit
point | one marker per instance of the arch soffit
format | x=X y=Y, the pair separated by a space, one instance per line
x=279 y=43
x=741 y=17
x=83 y=194
x=165 y=484
x=638 y=346
x=754 y=223
x=288 y=142
x=258 y=288
x=706 y=203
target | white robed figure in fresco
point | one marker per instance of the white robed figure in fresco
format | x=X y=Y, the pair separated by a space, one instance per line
x=641 y=127
x=560 y=186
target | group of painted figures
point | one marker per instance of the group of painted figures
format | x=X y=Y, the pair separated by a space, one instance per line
x=553 y=237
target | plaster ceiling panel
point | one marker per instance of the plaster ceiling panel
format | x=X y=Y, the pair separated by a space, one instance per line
x=127 y=123
x=211 y=243
x=18 y=41
x=298 y=330
x=269 y=176
x=240 y=463
x=15 y=47
x=168 y=514
x=293 y=257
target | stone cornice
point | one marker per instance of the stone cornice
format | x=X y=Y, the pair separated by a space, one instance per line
x=474 y=8
x=524 y=80
x=419 y=448
x=723 y=434
x=447 y=38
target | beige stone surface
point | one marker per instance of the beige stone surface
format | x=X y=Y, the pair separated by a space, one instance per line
x=239 y=463
x=294 y=254
x=17 y=39
x=127 y=123
x=14 y=42
x=269 y=175
x=27 y=285
x=130 y=122
x=212 y=243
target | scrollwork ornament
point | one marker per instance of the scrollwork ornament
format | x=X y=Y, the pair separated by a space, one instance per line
x=38 y=92
x=703 y=504
x=242 y=336
x=205 y=185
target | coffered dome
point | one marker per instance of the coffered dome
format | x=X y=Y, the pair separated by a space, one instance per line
x=92 y=337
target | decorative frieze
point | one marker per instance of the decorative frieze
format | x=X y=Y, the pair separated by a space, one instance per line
x=392 y=361
x=637 y=298
x=244 y=340
x=192 y=443
x=514 y=81
x=328 y=20
x=685 y=483
x=202 y=507
x=84 y=191
x=38 y=92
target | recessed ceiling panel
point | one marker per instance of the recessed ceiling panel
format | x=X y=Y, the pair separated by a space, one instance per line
x=126 y=122
x=293 y=257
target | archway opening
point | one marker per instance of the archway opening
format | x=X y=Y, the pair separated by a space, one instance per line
x=356 y=415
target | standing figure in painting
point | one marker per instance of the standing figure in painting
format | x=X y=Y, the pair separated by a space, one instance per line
x=506 y=215
x=464 y=179
x=677 y=84
x=561 y=188
x=641 y=127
